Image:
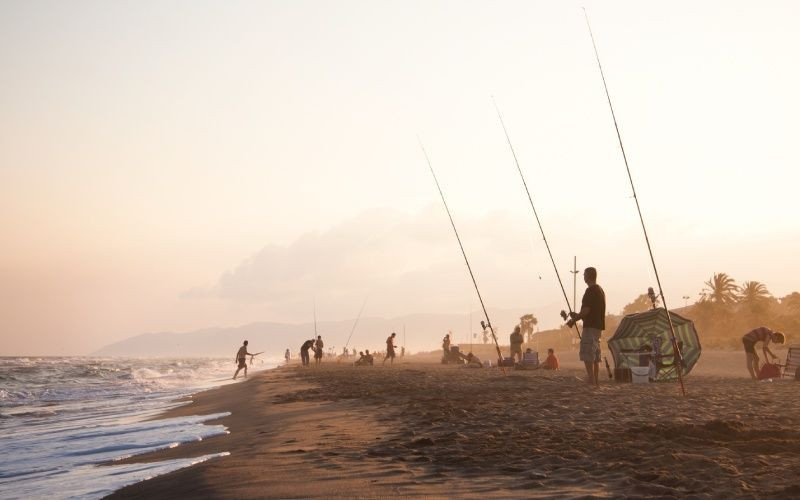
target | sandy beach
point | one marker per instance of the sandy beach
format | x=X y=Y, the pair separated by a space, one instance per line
x=424 y=429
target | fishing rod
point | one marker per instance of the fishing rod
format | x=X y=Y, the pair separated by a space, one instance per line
x=488 y=323
x=355 y=323
x=675 y=347
x=536 y=215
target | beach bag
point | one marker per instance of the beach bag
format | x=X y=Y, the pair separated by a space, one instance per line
x=769 y=370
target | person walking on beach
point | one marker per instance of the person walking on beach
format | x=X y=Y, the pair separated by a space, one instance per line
x=304 y=358
x=241 y=360
x=390 y=348
x=446 y=346
x=287 y=356
x=593 y=315
x=318 y=345
x=516 y=341
x=760 y=334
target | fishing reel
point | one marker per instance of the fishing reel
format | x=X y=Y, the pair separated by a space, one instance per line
x=567 y=317
x=484 y=325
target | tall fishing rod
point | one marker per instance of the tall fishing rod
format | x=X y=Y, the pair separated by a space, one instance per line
x=488 y=323
x=355 y=323
x=678 y=358
x=536 y=215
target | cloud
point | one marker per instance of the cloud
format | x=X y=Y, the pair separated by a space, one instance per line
x=404 y=262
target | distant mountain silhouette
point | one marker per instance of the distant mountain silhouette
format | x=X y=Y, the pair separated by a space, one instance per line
x=423 y=332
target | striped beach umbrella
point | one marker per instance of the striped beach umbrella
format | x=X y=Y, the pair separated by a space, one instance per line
x=644 y=337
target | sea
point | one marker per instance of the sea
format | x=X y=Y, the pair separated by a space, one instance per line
x=61 y=417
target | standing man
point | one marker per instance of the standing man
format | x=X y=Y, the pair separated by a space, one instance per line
x=304 y=358
x=390 y=348
x=241 y=360
x=516 y=342
x=318 y=345
x=287 y=355
x=593 y=315
x=446 y=346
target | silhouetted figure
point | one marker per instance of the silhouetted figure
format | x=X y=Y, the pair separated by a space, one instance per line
x=516 y=340
x=390 y=348
x=304 y=357
x=551 y=363
x=760 y=334
x=446 y=346
x=241 y=360
x=593 y=315
x=287 y=356
x=318 y=346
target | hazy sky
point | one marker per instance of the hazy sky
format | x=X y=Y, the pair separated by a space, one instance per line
x=177 y=165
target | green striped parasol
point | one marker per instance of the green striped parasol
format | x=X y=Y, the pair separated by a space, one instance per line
x=646 y=333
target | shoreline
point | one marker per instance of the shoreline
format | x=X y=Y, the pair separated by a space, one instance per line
x=417 y=429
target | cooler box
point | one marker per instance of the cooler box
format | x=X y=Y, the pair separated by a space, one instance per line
x=640 y=374
x=454 y=349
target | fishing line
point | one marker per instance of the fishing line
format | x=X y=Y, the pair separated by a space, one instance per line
x=536 y=215
x=355 y=323
x=676 y=350
x=464 y=253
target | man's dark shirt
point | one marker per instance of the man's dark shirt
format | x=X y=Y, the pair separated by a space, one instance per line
x=307 y=345
x=595 y=299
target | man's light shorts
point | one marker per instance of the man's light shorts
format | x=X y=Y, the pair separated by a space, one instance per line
x=590 y=345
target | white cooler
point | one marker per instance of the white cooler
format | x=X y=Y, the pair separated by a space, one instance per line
x=640 y=374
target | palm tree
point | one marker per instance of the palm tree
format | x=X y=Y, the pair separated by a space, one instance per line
x=753 y=293
x=720 y=289
x=526 y=324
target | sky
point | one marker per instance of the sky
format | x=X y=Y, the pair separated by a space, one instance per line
x=168 y=166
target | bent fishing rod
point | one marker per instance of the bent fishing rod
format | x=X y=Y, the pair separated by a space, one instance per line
x=675 y=348
x=536 y=215
x=488 y=323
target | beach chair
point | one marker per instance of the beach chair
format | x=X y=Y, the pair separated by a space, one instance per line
x=530 y=361
x=792 y=361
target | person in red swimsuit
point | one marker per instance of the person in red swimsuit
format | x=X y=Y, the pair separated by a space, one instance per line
x=760 y=334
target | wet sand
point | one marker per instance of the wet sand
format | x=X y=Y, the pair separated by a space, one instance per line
x=417 y=429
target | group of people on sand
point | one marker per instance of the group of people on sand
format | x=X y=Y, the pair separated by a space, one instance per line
x=592 y=314
x=312 y=345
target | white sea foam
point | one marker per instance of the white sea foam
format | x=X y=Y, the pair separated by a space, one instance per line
x=60 y=417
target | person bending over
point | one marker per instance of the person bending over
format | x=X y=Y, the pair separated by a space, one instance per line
x=751 y=338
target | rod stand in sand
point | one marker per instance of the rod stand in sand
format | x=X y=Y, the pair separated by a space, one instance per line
x=675 y=346
x=464 y=253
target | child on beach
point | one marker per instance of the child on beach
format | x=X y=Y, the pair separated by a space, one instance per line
x=551 y=363
x=761 y=334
